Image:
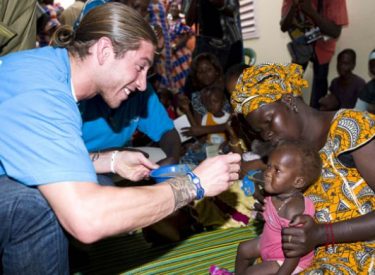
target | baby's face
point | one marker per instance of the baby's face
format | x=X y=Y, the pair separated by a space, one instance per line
x=283 y=169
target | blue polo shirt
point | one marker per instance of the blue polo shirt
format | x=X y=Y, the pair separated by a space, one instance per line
x=104 y=128
x=40 y=133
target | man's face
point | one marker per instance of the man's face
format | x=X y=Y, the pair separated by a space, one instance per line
x=126 y=74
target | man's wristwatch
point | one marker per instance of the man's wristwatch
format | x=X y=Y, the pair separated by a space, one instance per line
x=196 y=181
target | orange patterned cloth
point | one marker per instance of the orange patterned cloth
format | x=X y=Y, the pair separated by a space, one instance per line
x=266 y=83
x=341 y=194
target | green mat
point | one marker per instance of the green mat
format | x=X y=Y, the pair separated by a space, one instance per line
x=131 y=254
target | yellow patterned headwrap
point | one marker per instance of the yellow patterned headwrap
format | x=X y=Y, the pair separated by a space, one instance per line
x=266 y=83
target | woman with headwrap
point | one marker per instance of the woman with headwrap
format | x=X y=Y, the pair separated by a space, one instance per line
x=269 y=96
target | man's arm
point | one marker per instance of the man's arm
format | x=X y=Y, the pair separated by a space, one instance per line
x=90 y=212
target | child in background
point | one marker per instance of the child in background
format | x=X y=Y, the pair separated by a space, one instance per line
x=291 y=168
x=166 y=98
x=366 y=99
x=214 y=102
x=211 y=129
x=205 y=71
x=346 y=87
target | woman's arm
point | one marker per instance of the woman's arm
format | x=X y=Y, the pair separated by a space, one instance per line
x=326 y=26
x=287 y=20
x=310 y=234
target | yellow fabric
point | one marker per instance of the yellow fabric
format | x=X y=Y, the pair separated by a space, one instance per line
x=266 y=83
x=342 y=194
x=209 y=214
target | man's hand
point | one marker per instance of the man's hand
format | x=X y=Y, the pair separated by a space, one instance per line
x=217 y=174
x=133 y=166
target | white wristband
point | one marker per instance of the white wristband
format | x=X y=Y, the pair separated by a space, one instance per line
x=113 y=158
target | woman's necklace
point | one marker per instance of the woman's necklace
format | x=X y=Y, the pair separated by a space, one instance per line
x=285 y=200
x=283 y=204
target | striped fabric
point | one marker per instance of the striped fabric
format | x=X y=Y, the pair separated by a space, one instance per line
x=130 y=254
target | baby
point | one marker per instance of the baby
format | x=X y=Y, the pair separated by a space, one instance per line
x=291 y=168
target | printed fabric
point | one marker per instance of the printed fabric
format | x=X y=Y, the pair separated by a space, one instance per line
x=342 y=194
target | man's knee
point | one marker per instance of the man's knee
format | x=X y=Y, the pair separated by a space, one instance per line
x=31 y=229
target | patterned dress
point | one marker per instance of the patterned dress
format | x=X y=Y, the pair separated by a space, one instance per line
x=163 y=64
x=342 y=194
x=181 y=57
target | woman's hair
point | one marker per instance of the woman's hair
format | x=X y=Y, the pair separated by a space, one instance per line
x=266 y=83
x=125 y=27
x=194 y=67
x=311 y=163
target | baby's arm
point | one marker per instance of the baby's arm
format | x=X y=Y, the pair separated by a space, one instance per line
x=295 y=207
x=288 y=266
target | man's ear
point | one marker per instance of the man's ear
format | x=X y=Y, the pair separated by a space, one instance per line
x=104 y=49
x=299 y=183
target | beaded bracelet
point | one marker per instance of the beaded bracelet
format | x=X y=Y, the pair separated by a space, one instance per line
x=113 y=158
x=330 y=237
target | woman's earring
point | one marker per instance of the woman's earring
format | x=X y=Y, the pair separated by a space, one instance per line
x=294 y=107
x=291 y=103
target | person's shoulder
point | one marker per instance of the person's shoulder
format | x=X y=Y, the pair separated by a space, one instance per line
x=353 y=126
x=359 y=79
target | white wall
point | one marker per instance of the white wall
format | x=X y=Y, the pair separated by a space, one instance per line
x=359 y=35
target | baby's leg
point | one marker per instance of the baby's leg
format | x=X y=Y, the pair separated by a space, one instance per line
x=264 y=268
x=247 y=253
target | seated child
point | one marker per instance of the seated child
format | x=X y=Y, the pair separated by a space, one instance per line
x=166 y=98
x=366 y=99
x=214 y=102
x=346 y=87
x=211 y=130
x=291 y=168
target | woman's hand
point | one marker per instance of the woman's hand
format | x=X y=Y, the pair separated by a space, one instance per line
x=302 y=236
